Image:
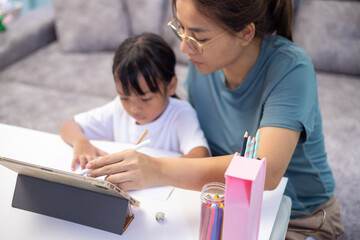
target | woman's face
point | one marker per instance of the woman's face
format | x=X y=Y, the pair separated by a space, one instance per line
x=220 y=53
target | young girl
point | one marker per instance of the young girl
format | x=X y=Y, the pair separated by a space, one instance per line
x=145 y=80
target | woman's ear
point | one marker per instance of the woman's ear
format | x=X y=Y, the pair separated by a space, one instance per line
x=247 y=34
x=171 y=88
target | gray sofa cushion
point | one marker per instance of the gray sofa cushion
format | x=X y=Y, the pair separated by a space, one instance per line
x=90 y=25
x=51 y=68
x=146 y=15
x=31 y=31
x=333 y=45
x=41 y=108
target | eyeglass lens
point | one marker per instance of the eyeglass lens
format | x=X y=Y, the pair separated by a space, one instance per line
x=193 y=45
x=191 y=42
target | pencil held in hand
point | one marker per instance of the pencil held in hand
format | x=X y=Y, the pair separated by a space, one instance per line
x=142 y=137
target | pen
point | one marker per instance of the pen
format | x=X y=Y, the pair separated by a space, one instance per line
x=135 y=147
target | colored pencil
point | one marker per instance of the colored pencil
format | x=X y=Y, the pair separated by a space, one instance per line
x=251 y=152
x=219 y=222
x=202 y=219
x=211 y=221
x=248 y=146
x=257 y=139
x=243 y=148
x=205 y=222
x=213 y=233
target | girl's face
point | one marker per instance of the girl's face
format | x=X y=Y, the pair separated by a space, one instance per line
x=220 y=53
x=149 y=107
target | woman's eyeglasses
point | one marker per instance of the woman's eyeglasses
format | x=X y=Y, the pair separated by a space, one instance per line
x=194 y=44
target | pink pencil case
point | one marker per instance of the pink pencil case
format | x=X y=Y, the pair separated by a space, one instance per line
x=245 y=178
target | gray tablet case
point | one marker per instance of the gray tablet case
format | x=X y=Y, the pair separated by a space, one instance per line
x=105 y=212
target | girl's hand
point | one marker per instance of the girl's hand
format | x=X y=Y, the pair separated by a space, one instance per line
x=84 y=152
x=129 y=169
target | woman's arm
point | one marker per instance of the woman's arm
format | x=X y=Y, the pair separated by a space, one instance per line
x=277 y=145
x=132 y=170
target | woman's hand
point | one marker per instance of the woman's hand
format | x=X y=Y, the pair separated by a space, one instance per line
x=84 y=152
x=129 y=169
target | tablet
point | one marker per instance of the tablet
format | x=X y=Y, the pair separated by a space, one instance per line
x=67 y=178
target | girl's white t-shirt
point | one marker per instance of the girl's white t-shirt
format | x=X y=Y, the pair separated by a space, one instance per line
x=176 y=130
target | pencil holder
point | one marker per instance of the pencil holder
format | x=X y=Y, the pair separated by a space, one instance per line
x=245 y=178
x=212 y=209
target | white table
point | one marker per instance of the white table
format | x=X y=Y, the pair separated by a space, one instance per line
x=182 y=209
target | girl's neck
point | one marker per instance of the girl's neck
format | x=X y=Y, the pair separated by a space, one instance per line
x=238 y=70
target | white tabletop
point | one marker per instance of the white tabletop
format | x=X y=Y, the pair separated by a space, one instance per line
x=182 y=209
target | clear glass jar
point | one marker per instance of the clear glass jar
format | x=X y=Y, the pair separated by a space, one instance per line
x=212 y=210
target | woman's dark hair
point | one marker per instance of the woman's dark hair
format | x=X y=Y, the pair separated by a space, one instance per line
x=269 y=16
x=146 y=54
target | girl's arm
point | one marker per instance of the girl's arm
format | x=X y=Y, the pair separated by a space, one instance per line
x=197 y=152
x=84 y=151
x=71 y=132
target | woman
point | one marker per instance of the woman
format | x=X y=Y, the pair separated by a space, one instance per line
x=245 y=73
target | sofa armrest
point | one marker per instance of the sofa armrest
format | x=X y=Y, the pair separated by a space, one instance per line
x=26 y=34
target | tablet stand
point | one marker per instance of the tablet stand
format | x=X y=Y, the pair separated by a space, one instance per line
x=73 y=204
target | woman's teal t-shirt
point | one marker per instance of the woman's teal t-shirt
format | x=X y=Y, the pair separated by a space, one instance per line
x=280 y=91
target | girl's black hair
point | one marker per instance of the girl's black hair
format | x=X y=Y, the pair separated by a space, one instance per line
x=146 y=54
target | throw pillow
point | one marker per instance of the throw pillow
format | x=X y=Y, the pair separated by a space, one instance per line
x=146 y=15
x=329 y=32
x=90 y=25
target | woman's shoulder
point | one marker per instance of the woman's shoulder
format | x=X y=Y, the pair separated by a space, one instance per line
x=282 y=48
x=284 y=64
x=281 y=56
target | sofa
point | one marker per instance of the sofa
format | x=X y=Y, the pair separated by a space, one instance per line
x=55 y=61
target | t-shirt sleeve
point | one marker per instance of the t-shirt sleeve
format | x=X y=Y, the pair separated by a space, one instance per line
x=189 y=131
x=293 y=101
x=97 y=123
